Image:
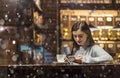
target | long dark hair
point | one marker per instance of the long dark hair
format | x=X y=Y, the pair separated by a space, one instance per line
x=84 y=27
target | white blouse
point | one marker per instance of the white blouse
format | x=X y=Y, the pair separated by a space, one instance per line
x=95 y=55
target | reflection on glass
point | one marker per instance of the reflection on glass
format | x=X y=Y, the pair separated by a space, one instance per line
x=37 y=57
x=27 y=55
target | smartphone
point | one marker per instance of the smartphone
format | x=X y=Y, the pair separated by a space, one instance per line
x=69 y=60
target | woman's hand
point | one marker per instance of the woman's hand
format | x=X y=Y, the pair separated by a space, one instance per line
x=78 y=59
x=69 y=59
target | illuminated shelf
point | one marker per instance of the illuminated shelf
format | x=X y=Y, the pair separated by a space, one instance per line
x=96 y=6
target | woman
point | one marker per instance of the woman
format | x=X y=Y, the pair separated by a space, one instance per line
x=84 y=48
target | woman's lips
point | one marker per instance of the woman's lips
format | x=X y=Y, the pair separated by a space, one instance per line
x=78 y=42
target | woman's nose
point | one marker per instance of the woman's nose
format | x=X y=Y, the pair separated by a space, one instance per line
x=77 y=38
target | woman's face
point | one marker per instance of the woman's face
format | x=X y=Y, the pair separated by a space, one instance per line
x=80 y=37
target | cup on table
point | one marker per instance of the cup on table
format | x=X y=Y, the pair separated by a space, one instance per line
x=60 y=58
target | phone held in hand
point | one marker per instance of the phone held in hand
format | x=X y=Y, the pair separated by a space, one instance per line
x=70 y=59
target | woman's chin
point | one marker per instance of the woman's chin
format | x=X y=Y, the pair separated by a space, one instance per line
x=79 y=44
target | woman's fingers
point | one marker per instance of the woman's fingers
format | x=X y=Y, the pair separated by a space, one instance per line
x=78 y=59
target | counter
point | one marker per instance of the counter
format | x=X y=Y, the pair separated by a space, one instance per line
x=61 y=71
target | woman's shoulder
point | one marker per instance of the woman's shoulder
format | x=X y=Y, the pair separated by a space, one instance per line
x=95 y=46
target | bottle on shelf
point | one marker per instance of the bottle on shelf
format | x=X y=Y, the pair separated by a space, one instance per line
x=66 y=50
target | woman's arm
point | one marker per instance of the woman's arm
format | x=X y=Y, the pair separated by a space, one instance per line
x=97 y=55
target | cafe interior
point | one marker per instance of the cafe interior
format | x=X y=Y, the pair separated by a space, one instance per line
x=34 y=32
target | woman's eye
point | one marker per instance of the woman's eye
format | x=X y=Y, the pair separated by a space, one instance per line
x=75 y=35
x=80 y=36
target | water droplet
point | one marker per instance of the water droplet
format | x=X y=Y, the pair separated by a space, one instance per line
x=6 y=5
x=9 y=20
